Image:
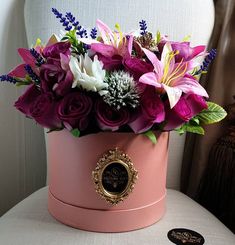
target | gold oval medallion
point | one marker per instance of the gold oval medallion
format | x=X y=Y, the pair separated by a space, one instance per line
x=114 y=176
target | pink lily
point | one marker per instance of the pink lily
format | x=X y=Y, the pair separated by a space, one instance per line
x=171 y=77
x=113 y=43
x=27 y=58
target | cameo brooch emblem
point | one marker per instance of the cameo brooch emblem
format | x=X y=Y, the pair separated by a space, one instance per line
x=114 y=176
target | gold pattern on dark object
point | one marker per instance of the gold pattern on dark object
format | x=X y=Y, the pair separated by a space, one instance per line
x=114 y=176
x=186 y=237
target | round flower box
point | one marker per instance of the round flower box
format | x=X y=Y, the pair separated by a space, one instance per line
x=107 y=182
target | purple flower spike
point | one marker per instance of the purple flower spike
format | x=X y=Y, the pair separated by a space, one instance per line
x=37 y=56
x=32 y=75
x=7 y=78
x=65 y=23
x=205 y=65
x=93 y=33
x=143 y=27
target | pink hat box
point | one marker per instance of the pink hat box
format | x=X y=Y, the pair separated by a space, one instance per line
x=84 y=172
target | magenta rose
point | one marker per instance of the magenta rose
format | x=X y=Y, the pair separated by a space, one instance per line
x=56 y=76
x=151 y=111
x=44 y=111
x=74 y=110
x=109 y=118
x=27 y=99
x=187 y=107
x=54 y=50
x=137 y=67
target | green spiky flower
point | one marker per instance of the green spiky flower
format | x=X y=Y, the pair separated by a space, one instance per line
x=121 y=90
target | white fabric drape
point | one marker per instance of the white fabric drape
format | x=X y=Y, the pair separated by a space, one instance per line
x=22 y=149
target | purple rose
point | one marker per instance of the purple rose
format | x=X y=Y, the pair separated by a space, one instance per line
x=74 y=110
x=44 y=111
x=55 y=75
x=109 y=118
x=151 y=111
x=137 y=67
x=187 y=107
x=54 y=50
x=27 y=99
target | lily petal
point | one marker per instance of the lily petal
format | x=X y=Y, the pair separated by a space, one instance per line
x=64 y=60
x=88 y=41
x=53 y=39
x=26 y=56
x=190 y=85
x=104 y=49
x=105 y=31
x=150 y=78
x=158 y=67
x=18 y=71
x=173 y=93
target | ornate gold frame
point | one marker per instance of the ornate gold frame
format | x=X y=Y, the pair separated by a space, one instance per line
x=114 y=156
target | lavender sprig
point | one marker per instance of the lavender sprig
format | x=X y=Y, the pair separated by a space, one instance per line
x=32 y=74
x=63 y=20
x=69 y=21
x=82 y=33
x=93 y=33
x=37 y=56
x=143 y=27
x=209 y=58
x=207 y=61
x=7 y=78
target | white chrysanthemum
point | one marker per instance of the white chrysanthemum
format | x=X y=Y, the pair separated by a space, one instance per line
x=88 y=74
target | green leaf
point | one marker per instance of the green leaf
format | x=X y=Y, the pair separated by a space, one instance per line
x=196 y=129
x=150 y=134
x=75 y=132
x=26 y=81
x=180 y=130
x=195 y=121
x=214 y=113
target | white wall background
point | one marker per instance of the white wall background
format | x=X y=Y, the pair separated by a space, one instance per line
x=22 y=147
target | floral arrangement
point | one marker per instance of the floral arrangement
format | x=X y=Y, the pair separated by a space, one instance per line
x=125 y=82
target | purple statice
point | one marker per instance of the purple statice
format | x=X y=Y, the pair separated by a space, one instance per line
x=32 y=74
x=7 y=78
x=143 y=27
x=93 y=33
x=37 y=56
